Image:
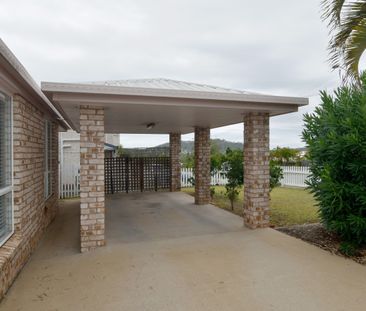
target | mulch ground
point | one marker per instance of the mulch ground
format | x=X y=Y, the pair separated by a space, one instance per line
x=317 y=235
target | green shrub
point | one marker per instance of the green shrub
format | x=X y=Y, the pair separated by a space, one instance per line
x=233 y=164
x=276 y=174
x=335 y=135
x=232 y=193
x=348 y=249
x=234 y=173
x=212 y=192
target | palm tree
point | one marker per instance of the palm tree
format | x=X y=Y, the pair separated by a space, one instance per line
x=347 y=22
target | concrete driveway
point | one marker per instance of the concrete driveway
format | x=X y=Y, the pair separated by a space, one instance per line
x=164 y=253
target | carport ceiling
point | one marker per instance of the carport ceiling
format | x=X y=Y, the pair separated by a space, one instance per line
x=173 y=106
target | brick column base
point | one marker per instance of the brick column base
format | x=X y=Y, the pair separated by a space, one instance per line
x=92 y=209
x=202 y=151
x=256 y=170
x=175 y=148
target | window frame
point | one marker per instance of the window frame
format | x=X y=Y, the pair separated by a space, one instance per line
x=48 y=189
x=9 y=189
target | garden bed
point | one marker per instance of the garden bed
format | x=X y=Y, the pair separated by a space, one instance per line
x=317 y=235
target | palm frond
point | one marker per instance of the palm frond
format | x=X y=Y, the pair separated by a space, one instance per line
x=354 y=48
x=353 y=15
x=348 y=26
x=332 y=10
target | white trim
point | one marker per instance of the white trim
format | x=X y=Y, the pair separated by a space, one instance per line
x=155 y=92
x=6 y=190
x=12 y=171
x=7 y=237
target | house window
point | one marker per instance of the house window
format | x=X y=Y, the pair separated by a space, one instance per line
x=48 y=160
x=6 y=169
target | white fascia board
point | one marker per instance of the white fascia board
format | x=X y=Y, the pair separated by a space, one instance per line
x=54 y=87
x=115 y=101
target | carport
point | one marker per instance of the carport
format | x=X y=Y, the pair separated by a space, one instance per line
x=161 y=106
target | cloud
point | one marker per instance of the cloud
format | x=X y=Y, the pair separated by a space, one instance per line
x=276 y=47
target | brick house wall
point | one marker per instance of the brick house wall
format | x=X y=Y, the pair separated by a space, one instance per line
x=32 y=213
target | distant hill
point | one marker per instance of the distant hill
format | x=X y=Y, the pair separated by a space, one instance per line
x=187 y=147
x=222 y=145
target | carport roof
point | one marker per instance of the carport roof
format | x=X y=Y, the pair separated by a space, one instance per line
x=173 y=106
x=168 y=84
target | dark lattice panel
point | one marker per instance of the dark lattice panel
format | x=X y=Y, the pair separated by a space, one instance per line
x=149 y=174
x=163 y=173
x=125 y=174
x=134 y=175
x=113 y=171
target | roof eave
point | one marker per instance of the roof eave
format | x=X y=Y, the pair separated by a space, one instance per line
x=56 y=87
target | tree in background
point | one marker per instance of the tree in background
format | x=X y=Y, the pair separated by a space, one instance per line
x=187 y=160
x=347 y=21
x=286 y=156
x=119 y=151
x=336 y=138
x=217 y=158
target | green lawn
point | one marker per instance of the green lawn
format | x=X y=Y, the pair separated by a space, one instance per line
x=289 y=206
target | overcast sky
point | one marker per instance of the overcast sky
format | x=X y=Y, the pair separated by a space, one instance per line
x=275 y=47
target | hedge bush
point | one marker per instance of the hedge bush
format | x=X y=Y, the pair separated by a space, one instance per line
x=335 y=135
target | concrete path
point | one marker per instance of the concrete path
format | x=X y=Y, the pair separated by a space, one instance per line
x=164 y=253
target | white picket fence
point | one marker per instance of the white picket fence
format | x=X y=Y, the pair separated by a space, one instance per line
x=69 y=181
x=293 y=176
x=217 y=179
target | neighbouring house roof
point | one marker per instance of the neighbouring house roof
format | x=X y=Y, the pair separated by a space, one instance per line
x=168 y=84
x=13 y=66
x=109 y=147
x=172 y=106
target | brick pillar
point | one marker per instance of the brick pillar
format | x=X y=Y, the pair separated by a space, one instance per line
x=92 y=209
x=256 y=170
x=175 y=148
x=202 y=162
